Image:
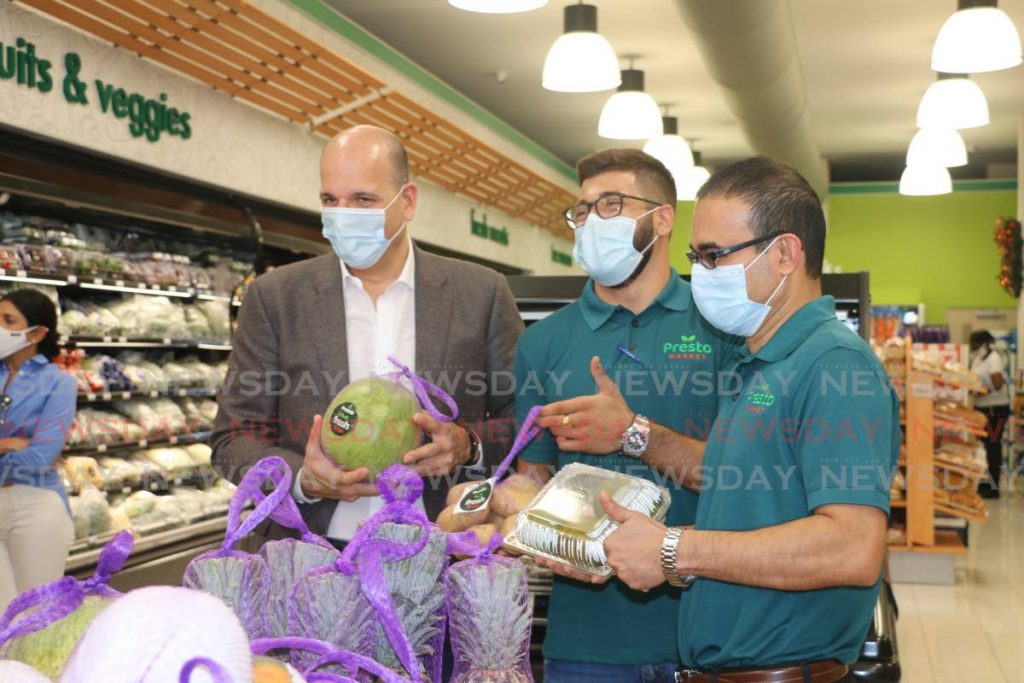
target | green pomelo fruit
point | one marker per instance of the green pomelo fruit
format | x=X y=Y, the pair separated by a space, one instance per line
x=48 y=649
x=369 y=424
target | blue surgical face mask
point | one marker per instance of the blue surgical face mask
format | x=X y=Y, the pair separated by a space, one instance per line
x=721 y=295
x=604 y=248
x=357 y=235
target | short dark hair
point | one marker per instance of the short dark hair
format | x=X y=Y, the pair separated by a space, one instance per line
x=779 y=198
x=38 y=310
x=648 y=171
x=979 y=337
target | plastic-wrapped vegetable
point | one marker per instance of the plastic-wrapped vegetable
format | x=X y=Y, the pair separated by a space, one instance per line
x=489 y=618
x=43 y=625
x=171 y=634
x=176 y=462
x=396 y=561
x=81 y=471
x=90 y=513
x=119 y=473
x=240 y=580
x=137 y=504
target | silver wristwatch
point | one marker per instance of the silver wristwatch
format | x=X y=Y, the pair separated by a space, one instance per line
x=636 y=438
x=669 y=553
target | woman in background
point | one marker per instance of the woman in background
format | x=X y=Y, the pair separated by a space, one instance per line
x=987 y=363
x=37 y=407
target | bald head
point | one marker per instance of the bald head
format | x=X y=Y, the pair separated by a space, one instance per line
x=371 y=147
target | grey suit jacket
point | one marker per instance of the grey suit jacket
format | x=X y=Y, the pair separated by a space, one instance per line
x=290 y=359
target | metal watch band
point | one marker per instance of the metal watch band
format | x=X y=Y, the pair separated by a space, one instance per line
x=669 y=553
x=637 y=437
x=476 y=451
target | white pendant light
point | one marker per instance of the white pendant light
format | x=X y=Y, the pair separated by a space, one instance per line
x=630 y=114
x=937 y=146
x=669 y=148
x=925 y=180
x=978 y=37
x=581 y=60
x=691 y=179
x=953 y=101
x=498 y=6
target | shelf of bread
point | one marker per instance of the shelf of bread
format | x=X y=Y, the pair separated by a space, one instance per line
x=961 y=503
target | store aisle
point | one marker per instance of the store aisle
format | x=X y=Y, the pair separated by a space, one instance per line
x=973 y=631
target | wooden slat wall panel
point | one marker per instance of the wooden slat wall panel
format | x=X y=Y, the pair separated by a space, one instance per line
x=237 y=49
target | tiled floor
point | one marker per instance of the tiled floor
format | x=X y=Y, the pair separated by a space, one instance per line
x=974 y=630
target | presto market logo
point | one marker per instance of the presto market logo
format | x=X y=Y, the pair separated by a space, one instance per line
x=687 y=348
x=759 y=399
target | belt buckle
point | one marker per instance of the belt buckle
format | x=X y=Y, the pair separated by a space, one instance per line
x=683 y=675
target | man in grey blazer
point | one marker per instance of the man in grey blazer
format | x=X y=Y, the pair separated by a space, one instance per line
x=310 y=328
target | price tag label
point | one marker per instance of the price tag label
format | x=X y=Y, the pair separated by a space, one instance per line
x=126 y=490
x=126 y=395
x=119 y=283
x=182 y=393
x=106 y=395
x=143 y=285
x=154 y=486
x=155 y=287
x=172 y=288
x=177 y=481
x=22 y=273
x=107 y=339
x=154 y=394
x=173 y=440
x=90 y=397
x=72 y=279
x=122 y=340
x=167 y=341
x=102 y=448
x=97 y=281
x=143 y=443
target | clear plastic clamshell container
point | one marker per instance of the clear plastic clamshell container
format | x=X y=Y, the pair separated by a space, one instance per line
x=566 y=523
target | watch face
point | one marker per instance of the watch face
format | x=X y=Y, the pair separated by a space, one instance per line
x=635 y=440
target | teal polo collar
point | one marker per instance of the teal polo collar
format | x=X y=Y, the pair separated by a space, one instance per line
x=794 y=331
x=675 y=296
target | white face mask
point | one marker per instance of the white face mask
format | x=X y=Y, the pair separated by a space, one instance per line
x=357 y=235
x=721 y=296
x=604 y=248
x=12 y=341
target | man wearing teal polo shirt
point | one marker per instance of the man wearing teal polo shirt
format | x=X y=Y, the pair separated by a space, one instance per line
x=635 y=318
x=785 y=555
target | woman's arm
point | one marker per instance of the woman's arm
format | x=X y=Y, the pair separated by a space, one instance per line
x=50 y=430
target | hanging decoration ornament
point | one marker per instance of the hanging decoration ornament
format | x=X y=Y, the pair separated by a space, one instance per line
x=1007 y=237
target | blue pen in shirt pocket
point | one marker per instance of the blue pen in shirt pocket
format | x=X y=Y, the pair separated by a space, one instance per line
x=629 y=354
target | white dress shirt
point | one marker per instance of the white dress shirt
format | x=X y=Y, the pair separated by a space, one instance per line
x=373 y=332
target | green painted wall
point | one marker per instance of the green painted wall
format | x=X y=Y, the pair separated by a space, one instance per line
x=680 y=243
x=935 y=250
x=939 y=249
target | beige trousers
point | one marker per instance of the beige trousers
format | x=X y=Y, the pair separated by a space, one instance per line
x=36 y=533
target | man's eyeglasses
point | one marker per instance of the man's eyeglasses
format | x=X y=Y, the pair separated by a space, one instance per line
x=709 y=257
x=608 y=205
x=5 y=403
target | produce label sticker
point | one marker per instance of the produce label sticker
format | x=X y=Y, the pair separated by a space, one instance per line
x=343 y=420
x=476 y=498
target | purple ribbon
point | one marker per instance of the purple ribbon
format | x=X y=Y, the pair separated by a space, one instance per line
x=329 y=654
x=400 y=487
x=527 y=433
x=217 y=672
x=427 y=392
x=277 y=506
x=43 y=605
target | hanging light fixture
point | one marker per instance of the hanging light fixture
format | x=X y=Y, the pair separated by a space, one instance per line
x=669 y=148
x=581 y=60
x=978 y=37
x=925 y=180
x=691 y=180
x=498 y=6
x=630 y=114
x=953 y=101
x=937 y=146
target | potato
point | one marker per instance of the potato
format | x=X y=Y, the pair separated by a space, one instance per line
x=454 y=523
x=495 y=519
x=455 y=492
x=513 y=495
x=508 y=526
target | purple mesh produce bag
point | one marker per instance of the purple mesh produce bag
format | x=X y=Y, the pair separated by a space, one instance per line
x=289 y=559
x=240 y=579
x=323 y=654
x=25 y=633
x=384 y=598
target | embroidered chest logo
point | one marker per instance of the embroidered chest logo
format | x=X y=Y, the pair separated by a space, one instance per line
x=687 y=348
x=759 y=399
